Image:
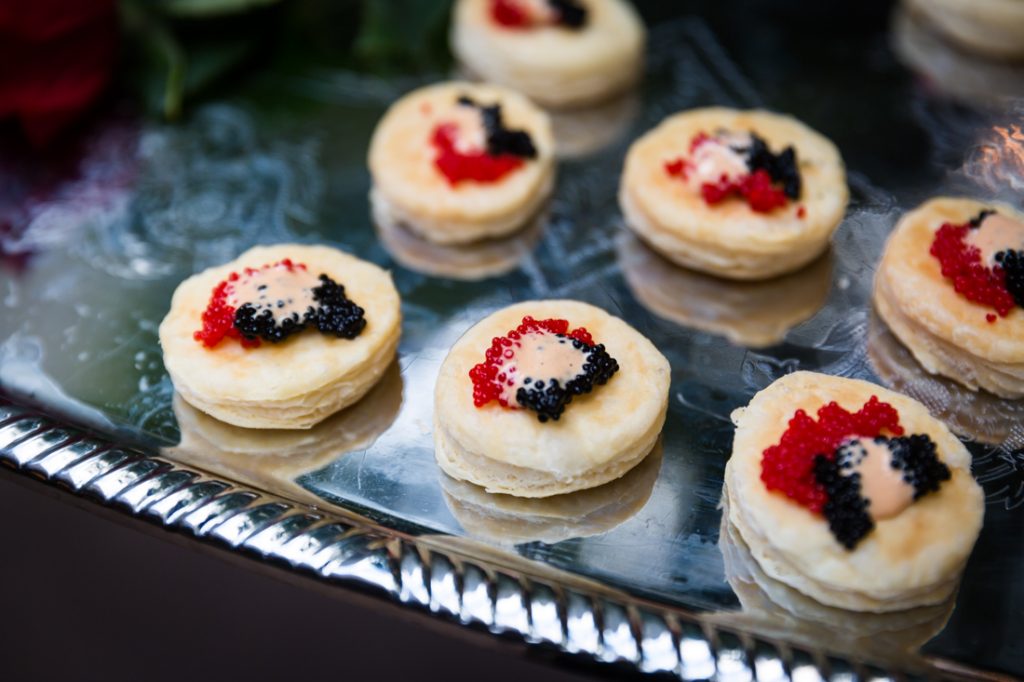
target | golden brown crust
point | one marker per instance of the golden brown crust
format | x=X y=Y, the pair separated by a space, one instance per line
x=298 y=382
x=729 y=239
x=912 y=559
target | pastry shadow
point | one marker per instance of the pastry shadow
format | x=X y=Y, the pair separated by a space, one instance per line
x=466 y=262
x=273 y=459
x=508 y=520
x=752 y=314
x=778 y=610
x=977 y=415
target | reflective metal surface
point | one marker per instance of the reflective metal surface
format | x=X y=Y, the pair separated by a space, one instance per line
x=618 y=573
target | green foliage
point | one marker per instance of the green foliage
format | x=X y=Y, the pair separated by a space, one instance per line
x=178 y=49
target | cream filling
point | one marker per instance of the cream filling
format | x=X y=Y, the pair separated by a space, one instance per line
x=996 y=233
x=285 y=292
x=471 y=136
x=539 y=357
x=881 y=484
x=717 y=158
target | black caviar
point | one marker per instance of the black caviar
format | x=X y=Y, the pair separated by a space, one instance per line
x=334 y=313
x=846 y=509
x=977 y=220
x=922 y=468
x=571 y=13
x=548 y=397
x=501 y=140
x=1012 y=263
x=782 y=167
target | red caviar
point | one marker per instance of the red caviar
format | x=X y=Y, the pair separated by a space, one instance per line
x=478 y=166
x=757 y=188
x=972 y=279
x=510 y=14
x=219 y=316
x=789 y=465
x=487 y=383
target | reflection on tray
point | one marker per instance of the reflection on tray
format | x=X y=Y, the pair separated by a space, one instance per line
x=780 y=610
x=468 y=262
x=509 y=520
x=584 y=131
x=272 y=459
x=974 y=414
x=754 y=314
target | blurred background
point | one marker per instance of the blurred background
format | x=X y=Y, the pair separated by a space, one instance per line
x=913 y=106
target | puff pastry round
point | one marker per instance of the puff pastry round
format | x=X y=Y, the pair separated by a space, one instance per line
x=947 y=333
x=729 y=239
x=553 y=65
x=994 y=28
x=753 y=314
x=409 y=189
x=295 y=383
x=600 y=437
x=912 y=559
x=947 y=68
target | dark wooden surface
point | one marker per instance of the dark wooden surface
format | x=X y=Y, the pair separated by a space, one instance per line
x=91 y=593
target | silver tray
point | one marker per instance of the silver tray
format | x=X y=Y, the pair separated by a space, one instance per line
x=639 y=572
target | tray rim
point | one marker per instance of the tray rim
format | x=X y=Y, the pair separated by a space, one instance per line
x=457 y=579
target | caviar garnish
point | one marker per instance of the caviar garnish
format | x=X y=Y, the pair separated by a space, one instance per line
x=501 y=140
x=478 y=166
x=756 y=188
x=1012 y=264
x=571 y=14
x=517 y=14
x=276 y=315
x=513 y=382
x=788 y=466
x=505 y=152
x=782 y=168
x=961 y=263
x=847 y=511
x=770 y=180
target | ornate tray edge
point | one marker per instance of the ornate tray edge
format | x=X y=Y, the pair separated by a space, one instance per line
x=427 y=573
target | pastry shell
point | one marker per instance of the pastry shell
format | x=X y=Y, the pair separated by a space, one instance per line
x=912 y=559
x=298 y=382
x=600 y=437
